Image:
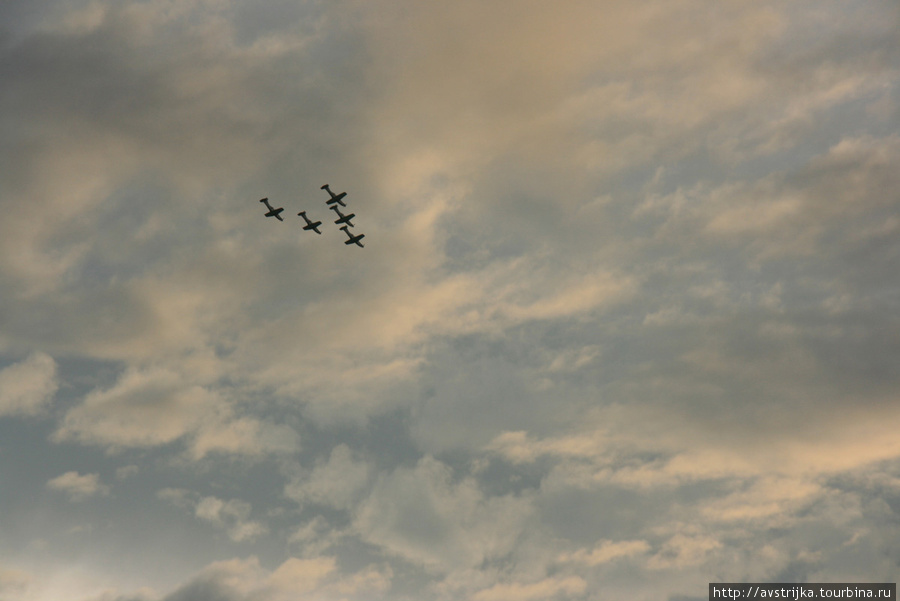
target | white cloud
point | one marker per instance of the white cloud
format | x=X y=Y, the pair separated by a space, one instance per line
x=27 y=387
x=549 y=588
x=144 y=408
x=771 y=499
x=684 y=550
x=299 y=576
x=607 y=551
x=231 y=516
x=79 y=487
x=421 y=515
x=243 y=435
x=315 y=537
x=157 y=406
x=246 y=580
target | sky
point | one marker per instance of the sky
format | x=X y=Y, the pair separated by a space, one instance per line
x=626 y=321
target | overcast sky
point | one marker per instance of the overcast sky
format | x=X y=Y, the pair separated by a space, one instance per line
x=626 y=322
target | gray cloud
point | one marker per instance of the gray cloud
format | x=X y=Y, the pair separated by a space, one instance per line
x=423 y=516
x=232 y=515
x=246 y=580
x=626 y=316
x=27 y=387
x=338 y=482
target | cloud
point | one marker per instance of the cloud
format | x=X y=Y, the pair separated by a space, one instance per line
x=231 y=515
x=421 y=515
x=79 y=487
x=769 y=497
x=607 y=551
x=651 y=446
x=127 y=471
x=549 y=588
x=120 y=164
x=144 y=408
x=683 y=551
x=627 y=304
x=339 y=482
x=28 y=387
x=243 y=435
x=301 y=575
x=158 y=406
x=316 y=536
x=177 y=496
x=247 y=580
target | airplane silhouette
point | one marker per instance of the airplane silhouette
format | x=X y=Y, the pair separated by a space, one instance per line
x=335 y=198
x=353 y=239
x=272 y=212
x=341 y=217
x=310 y=225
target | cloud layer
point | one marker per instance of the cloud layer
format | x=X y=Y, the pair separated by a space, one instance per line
x=625 y=322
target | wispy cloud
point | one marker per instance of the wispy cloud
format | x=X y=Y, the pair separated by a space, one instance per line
x=77 y=486
x=232 y=515
x=28 y=387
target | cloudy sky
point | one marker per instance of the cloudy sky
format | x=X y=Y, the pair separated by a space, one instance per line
x=627 y=319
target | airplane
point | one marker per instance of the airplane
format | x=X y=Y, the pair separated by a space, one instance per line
x=335 y=198
x=310 y=225
x=353 y=239
x=272 y=212
x=341 y=217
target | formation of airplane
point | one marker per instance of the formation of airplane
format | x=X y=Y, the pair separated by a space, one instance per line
x=310 y=225
x=345 y=219
x=336 y=199
x=272 y=212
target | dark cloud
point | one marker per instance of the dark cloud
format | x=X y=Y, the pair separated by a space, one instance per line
x=205 y=591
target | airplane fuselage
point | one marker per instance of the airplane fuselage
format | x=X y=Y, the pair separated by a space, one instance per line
x=341 y=217
x=310 y=225
x=353 y=239
x=272 y=211
x=335 y=198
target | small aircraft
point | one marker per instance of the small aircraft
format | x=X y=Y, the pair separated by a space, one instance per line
x=353 y=239
x=310 y=225
x=341 y=217
x=335 y=198
x=272 y=212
